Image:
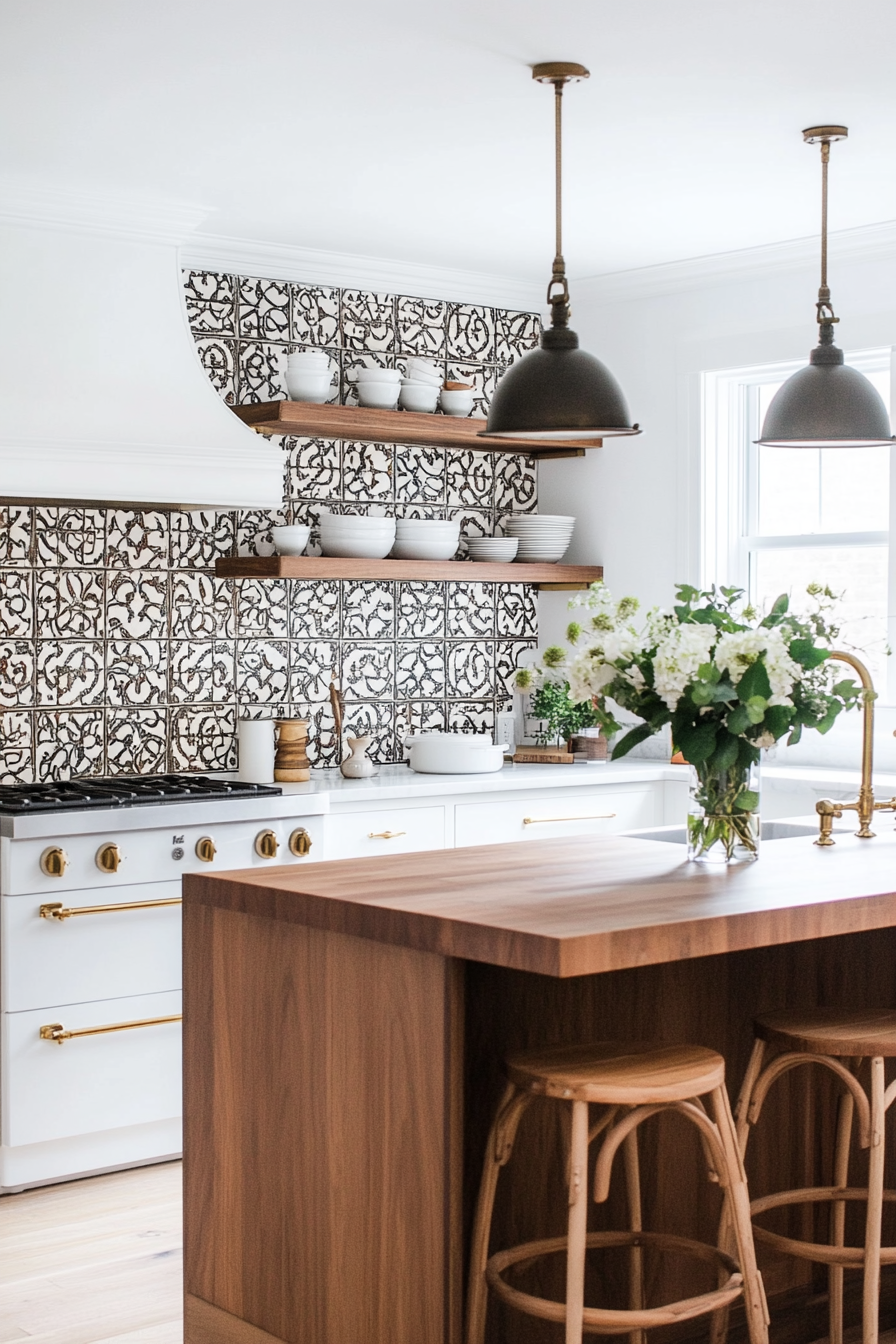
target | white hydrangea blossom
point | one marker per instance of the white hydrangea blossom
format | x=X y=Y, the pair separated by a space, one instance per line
x=735 y=653
x=679 y=654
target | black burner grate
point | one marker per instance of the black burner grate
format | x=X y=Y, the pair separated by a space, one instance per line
x=125 y=791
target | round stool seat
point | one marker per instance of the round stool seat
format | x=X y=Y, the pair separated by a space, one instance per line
x=618 y=1073
x=868 y=1033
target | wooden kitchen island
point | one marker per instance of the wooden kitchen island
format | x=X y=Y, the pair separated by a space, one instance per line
x=344 y=1026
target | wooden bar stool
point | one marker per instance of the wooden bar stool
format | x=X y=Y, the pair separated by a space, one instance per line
x=840 y=1041
x=633 y=1081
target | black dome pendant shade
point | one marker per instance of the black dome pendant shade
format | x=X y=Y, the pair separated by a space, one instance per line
x=558 y=391
x=828 y=404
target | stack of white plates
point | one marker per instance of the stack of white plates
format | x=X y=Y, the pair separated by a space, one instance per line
x=425 y=539
x=494 y=549
x=543 y=537
x=357 y=536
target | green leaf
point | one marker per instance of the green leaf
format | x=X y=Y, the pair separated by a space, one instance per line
x=725 y=753
x=845 y=689
x=738 y=720
x=796 y=733
x=756 y=707
x=704 y=617
x=631 y=739
x=778 y=719
x=829 y=719
x=709 y=672
x=748 y=801
x=754 y=682
x=697 y=744
x=804 y=652
x=724 y=691
x=702 y=694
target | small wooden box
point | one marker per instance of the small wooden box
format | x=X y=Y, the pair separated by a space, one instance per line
x=543 y=756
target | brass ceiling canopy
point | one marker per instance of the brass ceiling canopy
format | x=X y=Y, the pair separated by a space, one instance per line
x=828 y=404
x=558 y=391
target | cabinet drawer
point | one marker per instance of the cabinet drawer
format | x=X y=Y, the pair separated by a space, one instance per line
x=91 y=1083
x=91 y=956
x=603 y=812
x=397 y=830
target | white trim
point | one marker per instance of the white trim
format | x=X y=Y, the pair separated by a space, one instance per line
x=123 y=215
x=308 y=265
x=871 y=241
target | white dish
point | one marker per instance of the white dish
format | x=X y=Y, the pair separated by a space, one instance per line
x=376 y=375
x=456 y=403
x=455 y=754
x=563 y=519
x=418 y=397
x=493 y=548
x=360 y=520
x=291 y=540
x=421 y=548
x=408 y=527
x=313 y=387
x=379 y=396
x=361 y=544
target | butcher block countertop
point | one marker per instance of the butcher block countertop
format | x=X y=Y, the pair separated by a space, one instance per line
x=578 y=906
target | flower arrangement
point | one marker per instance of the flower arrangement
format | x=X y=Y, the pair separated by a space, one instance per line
x=729 y=681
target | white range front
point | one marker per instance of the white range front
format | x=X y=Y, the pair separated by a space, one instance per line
x=76 y=1104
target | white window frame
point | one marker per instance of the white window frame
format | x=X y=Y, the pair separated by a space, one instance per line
x=728 y=504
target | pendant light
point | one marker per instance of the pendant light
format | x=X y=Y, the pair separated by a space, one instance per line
x=558 y=391
x=828 y=404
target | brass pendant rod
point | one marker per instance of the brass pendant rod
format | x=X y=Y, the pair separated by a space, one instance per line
x=824 y=136
x=558 y=171
x=825 y=160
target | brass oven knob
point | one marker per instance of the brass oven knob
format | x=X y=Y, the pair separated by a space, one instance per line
x=108 y=858
x=54 y=861
x=300 y=842
x=266 y=844
x=205 y=849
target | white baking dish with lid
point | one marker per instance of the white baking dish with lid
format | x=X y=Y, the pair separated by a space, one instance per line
x=454 y=753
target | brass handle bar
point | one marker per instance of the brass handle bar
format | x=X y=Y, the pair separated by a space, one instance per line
x=55 y=1031
x=542 y=821
x=384 y=835
x=56 y=910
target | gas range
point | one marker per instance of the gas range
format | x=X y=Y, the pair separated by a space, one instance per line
x=125 y=791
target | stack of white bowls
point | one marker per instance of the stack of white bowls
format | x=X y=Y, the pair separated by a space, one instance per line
x=543 y=537
x=378 y=387
x=420 y=389
x=309 y=375
x=497 y=550
x=425 y=539
x=356 y=536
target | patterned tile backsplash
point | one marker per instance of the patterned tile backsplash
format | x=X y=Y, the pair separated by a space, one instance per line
x=120 y=652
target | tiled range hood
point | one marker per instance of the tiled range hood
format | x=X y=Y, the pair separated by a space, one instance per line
x=102 y=396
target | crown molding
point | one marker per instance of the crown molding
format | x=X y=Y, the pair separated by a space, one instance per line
x=122 y=215
x=869 y=242
x=241 y=256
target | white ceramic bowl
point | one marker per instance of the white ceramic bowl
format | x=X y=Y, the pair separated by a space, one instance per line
x=408 y=526
x=455 y=754
x=430 y=379
x=357 y=548
x=359 y=521
x=421 y=548
x=377 y=375
x=314 y=387
x=381 y=396
x=418 y=397
x=492 y=548
x=291 y=540
x=456 y=403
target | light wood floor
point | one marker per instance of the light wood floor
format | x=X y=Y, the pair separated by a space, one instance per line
x=94 y=1262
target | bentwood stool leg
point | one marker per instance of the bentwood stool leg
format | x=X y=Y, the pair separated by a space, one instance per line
x=870 y=1302
x=578 y=1223
x=636 y=1254
x=845 y=1110
x=497 y=1155
x=739 y=1202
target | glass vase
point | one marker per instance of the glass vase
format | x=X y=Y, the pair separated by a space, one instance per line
x=723 y=816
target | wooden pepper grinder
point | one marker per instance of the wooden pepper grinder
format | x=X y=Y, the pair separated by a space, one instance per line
x=291 y=764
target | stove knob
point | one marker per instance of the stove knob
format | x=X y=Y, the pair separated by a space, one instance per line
x=266 y=844
x=300 y=842
x=108 y=857
x=205 y=849
x=54 y=862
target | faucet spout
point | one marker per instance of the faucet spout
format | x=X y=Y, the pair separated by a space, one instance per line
x=864 y=806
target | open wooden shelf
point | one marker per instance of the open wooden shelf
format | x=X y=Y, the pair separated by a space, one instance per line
x=455 y=571
x=308 y=420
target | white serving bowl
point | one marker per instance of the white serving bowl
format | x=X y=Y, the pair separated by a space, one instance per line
x=456 y=403
x=418 y=397
x=492 y=548
x=455 y=754
x=407 y=526
x=381 y=396
x=377 y=375
x=301 y=386
x=356 y=520
x=420 y=548
x=431 y=380
x=291 y=540
x=357 y=548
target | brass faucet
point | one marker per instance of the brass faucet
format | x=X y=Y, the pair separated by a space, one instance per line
x=864 y=805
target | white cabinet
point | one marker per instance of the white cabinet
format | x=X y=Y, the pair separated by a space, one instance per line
x=557 y=813
x=389 y=830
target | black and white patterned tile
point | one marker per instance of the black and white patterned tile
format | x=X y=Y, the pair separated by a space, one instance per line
x=137 y=672
x=368 y=320
x=471 y=333
x=470 y=666
x=136 y=741
x=516 y=483
x=16 y=604
x=202 y=607
x=368 y=670
x=313 y=663
x=136 y=604
x=197 y=539
x=421 y=326
x=136 y=539
x=516 y=612
x=315 y=315
x=471 y=479
x=263 y=311
x=515 y=334
x=420 y=670
x=203 y=739
x=260 y=372
x=471 y=716
x=421 y=474
x=314 y=609
x=70 y=536
x=368 y=609
x=16 y=747
x=473 y=523
x=211 y=302
x=69 y=743
x=323 y=748
x=313 y=468
x=418 y=716
x=509 y=655
x=17 y=659
x=69 y=603
x=262 y=671
x=421 y=609
x=70 y=672
x=374 y=719
x=262 y=608
x=16 y=523
x=471 y=611
x=201 y=670
x=368 y=471
x=217 y=354
x=253 y=530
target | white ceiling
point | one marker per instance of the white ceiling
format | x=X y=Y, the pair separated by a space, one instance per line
x=409 y=130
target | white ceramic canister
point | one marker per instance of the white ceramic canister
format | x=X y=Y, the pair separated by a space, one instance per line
x=256 y=750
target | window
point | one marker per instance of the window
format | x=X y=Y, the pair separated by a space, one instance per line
x=777 y=519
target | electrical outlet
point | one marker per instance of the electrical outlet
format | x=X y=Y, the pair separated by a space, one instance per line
x=505 y=725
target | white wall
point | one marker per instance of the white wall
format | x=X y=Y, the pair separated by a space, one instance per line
x=637 y=500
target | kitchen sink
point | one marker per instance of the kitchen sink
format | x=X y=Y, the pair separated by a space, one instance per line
x=780 y=829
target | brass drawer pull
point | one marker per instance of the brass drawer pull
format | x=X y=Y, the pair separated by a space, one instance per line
x=384 y=835
x=542 y=821
x=56 y=910
x=55 y=1031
